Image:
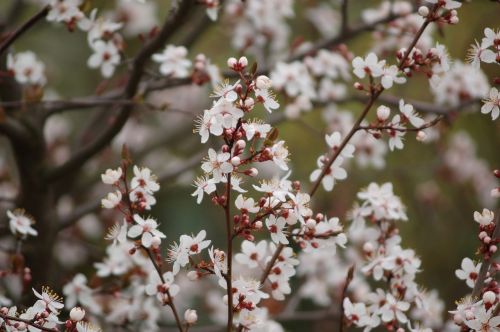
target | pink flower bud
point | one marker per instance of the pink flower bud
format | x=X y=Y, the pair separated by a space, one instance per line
x=487 y=239
x=482 y=235
x=493 y=249
x=358 y=86
x=231 y=62
x=489 y=297
x=252 y=172
x=257 y=224
x=368 y=247
x=311 y=224
x=454 y=20
x=383 y=113
x=421 y=136
x=423 y=11
x=241 y=144
x=235 y=161
x=243 y=61
x=190 y=316
x=76 y=314
x=249 y=103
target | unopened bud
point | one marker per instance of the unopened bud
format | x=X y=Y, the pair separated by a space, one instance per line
x=231 y=62
x=368 y=247
x=235 y=161
x=241 y=144
x=249 y=103
x=421 y=136
x=243 y=61
x=454 y=20
x=423 y=11
x=358 y=86
x=252 y=172
x=190 y=316
x=383 y=113
x=77 y=314
x=489 y=297
x=311 y=224
x=257 y=224
x=493 y=249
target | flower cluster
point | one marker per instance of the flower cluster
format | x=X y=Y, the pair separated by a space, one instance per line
x=26 y=68
x=383 y=258
x=317 y=79
x=258 y=24
x=477 y=312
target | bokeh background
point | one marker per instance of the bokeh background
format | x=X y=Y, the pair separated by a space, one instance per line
x=440 y=228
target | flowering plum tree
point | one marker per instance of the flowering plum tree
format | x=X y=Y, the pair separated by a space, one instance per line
x=277 y=250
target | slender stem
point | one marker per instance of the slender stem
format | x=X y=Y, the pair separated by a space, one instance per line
x=402 y=129
x=346 y=140
x=25 y=321
x=150 y=254
x=229 y=238
x=487 y=263
x=170 y=298
x=23 y=28
x=348 y=279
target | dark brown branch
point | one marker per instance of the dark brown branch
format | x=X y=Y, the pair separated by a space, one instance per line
x=344 y=10
x=13 y=130
x=348 y=279
x=176 y=18
x=53 y=107
x=23 y=29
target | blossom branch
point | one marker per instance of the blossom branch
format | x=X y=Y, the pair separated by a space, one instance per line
x=374 y=94
x=28 y=322
x=487 y=262
x=171 y=301
x=229 y=239
x=402 y=129
x=177 y=17
x=348 y=279
x=23 y=29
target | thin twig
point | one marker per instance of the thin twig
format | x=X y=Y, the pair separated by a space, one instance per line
x=478 y=287
x=25 y=321
x=348 y=279
x=23 y=28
